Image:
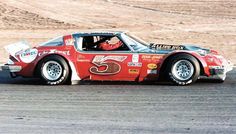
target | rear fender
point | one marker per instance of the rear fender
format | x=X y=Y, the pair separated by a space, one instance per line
x=74 y=75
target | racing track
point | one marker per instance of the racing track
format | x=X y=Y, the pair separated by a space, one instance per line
x=117 y=107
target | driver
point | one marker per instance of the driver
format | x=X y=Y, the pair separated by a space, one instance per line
x=108 y=47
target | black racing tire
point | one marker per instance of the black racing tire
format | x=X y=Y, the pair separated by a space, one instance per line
x=53 y=70
x=183 y=69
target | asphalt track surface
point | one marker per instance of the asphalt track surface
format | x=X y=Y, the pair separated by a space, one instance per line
x=27 y=107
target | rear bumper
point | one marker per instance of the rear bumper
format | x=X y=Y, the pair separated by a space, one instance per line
x=10 y=68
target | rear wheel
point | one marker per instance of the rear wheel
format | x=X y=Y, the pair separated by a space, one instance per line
x=183 y=69
x=54 y=70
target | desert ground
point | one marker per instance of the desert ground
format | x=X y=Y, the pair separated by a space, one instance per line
x=205 y=23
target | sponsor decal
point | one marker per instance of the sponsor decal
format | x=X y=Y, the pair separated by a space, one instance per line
x=151 y=71
x=63 y=52
x=156 y=57
x=106 y=65
x=29 y=55
x=152 y=57
x=169 y=47
x=210 y=60
x=146 y=56
x=42 y=53
x=152 y=66
x=133 y=71
x=135 y=58
x=69 y=42
x=82 y=58
x=134 y=64
x=54 y=51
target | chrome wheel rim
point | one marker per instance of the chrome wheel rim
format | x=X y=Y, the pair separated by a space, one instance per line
x=52 y=70
x=182 y=70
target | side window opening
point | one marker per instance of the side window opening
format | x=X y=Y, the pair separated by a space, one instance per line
x=88 y=43
x=103 y=43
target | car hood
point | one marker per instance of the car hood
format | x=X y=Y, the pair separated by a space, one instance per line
x=165 y=49
x=197 y=49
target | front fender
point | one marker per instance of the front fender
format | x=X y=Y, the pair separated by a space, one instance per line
x=201 y=60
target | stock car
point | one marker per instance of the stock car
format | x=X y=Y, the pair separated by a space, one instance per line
x=77 y=56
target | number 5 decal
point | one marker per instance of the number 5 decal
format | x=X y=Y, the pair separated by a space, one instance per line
x=106 y=65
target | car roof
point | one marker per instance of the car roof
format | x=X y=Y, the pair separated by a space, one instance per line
x=100 y=32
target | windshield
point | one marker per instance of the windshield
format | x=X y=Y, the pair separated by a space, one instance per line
x=134 y=42
x=53 y=42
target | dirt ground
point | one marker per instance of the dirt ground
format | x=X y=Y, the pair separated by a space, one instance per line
x=205 y=23
x=28 y=107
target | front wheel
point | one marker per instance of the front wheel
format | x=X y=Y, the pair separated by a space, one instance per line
x=54 y=70
x=183 y=69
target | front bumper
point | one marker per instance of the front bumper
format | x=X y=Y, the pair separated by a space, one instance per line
x=219 y=70
x=10 y=68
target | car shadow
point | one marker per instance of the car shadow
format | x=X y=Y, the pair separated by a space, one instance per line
x=5 y=78
x=122 y=83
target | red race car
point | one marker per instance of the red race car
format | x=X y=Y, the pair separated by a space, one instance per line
x=113 y=56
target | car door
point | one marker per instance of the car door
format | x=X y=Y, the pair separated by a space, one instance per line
x=107 y=65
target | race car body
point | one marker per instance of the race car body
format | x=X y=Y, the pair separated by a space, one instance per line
x=79 y=56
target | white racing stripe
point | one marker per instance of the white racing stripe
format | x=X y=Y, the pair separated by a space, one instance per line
x=74 y=77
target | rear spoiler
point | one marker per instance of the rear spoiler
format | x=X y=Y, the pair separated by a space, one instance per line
x=15 y=48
